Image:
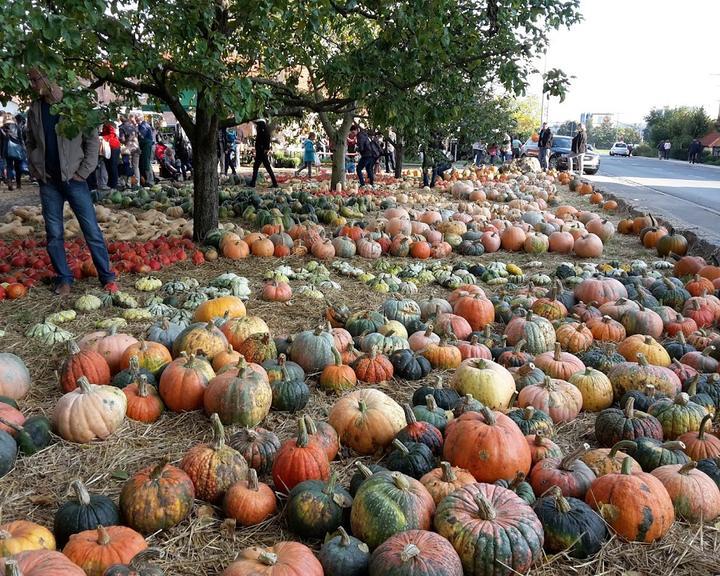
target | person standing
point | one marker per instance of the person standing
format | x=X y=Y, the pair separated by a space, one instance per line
x=516 y=144
x=545 y=139
x=61 y=165
x=230 y=152
x=666 y=149
x=389 y=152
x=695 y=151
x=130 y=147
x=183 y=150
x=477 y=152
x=367 y=158
x=111 y=164
x=146 y=138
x=506 y=148
x=578 y=149
x=262 y=149
x=308 y=155
x=13 y=150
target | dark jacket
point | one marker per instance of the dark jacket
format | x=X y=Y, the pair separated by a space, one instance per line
x=546 y=138
x=262 y=137
x=363 y=145
x=579 y=143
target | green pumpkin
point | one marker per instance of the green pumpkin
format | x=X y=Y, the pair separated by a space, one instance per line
x=527 y=375
x=643 y=398
x=85 y=512
x=164 y=333
x=613 y=425
x=538 y=333
x=422 y=432
x=519 y=486
x=409 y=365
x=431 y=413
x=678 y=347
x=315 y=508
x=383 y=343
x=404 y=310
x=313 y=350
x=602 y=358
x=678 y=416
x=8 y=453
x=445 y=398
x=388 y=503
x=9 y=401
x=364 y=322
x=467 y=404
x=362 y=473
x=124 y=378
x=274 y=368
x=530 y=420
x=651 y=453
x=570 y=525
x=669 y=292
x=708 y=384
x=414 y=459
x=711 y=467
x=289 y=394
x=33 y=435
x=344 y=555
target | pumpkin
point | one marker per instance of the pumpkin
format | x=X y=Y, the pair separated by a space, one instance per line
x=183 y=383
x=570 y=525
x=409 y=365
x=474 y=349
x=569 y=473
x=605 y=329
x=492 y=529
x=366 y=420
x=476 y=309
x=418 y=341
x=519 y=486
x=599 y=290
x=164 y=333
x=444 y=480
x=239 y=396
x=678 y=415
x=274 y=368
x=338 y=377
x=367 y=322
x=701 y=361
x=96 y=550
x=488 y=382
x=151 y=356
x=698 y=444
x=313 y=349
x=694 y=495
x=559 y=364
x=643 y=322
x=110 y=345
x=527 y=374
x=40 y=563
x=362 y=473
x=443 y=355
x=258 y=446
x=344 y=555
x=10 y=418
x=78 y=363
x=613 y=425
x=637 y=375
x=415 y=553
x=445 y=398
x=595 y=387
x=85 y=512
x=201 y=338
x=711 y=467
x=131 y=375
x=323 y=434
x=542 y=447
x=288 y=394
x=561 y=400
x=643 y=398
x=258 y=348
x=420 y=431
x=530 y=421
x=537 y=332
x=672 y=243
x=30 y=437
x=388 y=503
x=236 y=330
x=214 y=467
x=414 y=459
x=373 y=368
x=15 y=377
x=282 y=559
x=651 y=453
x=143 y=402
x=516 y=357
x=139 y=565
x=298 y=460
x=431 y=413
x=574 y=337
x=608 y=460
x=23 y=535
x=89 y=412
x=315 y=507
x=488 y=444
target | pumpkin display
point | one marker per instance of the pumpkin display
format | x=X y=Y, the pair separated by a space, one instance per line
x=313 y=349
x=298 y=460
x=78 y=363
x=415 y=553
x=568 y=473
x=538 y=333
x=420 y=431
x=678 y=416
x=236 y=330
x=559 y=399
x=388 y=503
x=315 y=507
x=699 y=444
x=151 y=356
x=222 y=307
x=183 y=382
x=143 y=402
x=487 y=444
x=487 y=381
x=635 y=505
x=89 y=412
x=240 y=396
x=249 y=502
x=85 y=512
x=558 y=364
x=570 y=525
x=366 y=420
x=344 y=555
x=613 y=425
x=214 y=467
x=96 y=550
x=608 y=460
x=157 y=498
x=694 y=495
x=201 y=338
x=40 y=563
x=444 y=480
x=338 y=377
x=595 y=387
x=23 y=535
x=282 y=559
x=531 y=420
x=258 y=446
x=492 y=529
x=110 y=345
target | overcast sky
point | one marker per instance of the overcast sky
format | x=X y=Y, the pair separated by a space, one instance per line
x=629 y=56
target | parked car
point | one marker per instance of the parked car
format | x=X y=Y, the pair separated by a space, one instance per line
x=561 y=147
x=620 y=149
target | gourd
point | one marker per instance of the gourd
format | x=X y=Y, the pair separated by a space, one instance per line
x=344 y=555
x=85 y=512
x=249 y=502
x=315 y=508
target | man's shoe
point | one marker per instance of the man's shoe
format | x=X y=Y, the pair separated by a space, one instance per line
x=111 y=287
x=63 y=289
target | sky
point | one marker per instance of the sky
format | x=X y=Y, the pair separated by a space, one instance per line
x=629 y=56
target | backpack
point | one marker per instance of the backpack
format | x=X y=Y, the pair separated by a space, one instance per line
x=375 y=149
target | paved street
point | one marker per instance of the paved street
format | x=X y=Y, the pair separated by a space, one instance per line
x=688 y=196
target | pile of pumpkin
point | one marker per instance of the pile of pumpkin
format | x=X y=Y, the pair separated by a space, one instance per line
x=475 y=462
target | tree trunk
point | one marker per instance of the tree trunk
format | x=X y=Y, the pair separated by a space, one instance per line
x=205 y=173
x=338 y=163
x=399 y=157
x=338 y=135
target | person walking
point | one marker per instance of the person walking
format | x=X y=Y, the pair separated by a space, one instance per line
x=308 y=155
x=666 y=149
x=389 y=152
x=111 y=163
x=262 y=149
x=694 y=151
x=367 y=157
x=506 y=148
x=477 y=152
x=130 y=148
x=545 y=140
x=578 y=149
x=61 y=165
x=13 y=150
x=146 y=138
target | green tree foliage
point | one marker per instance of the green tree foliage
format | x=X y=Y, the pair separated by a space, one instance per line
x=526 y=114
x=679 y=125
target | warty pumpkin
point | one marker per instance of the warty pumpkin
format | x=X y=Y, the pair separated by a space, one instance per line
x=202 y=338
x=636 y=375
x=678 y=416
x=373 y=368
x=239 y=396
x=415 y=553
x=694 y=495
x=236 y=330
x=613 y=425
x=609 y=460
x=561 y=400
x=315 y=507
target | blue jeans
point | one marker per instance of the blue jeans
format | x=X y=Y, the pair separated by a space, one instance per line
x=368 y=164
x=543 y=156
x=77 y=194
x=14 y=170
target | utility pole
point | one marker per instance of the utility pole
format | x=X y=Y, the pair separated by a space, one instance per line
x=542 y=91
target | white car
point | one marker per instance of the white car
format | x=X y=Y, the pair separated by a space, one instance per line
x=619 y=149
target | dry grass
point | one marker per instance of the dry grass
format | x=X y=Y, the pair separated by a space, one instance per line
x=202 y=545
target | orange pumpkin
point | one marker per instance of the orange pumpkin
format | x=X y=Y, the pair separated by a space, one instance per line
x=96 y=550
x=373 y=368
x=282 y=559
x=143 y=401
x=23 y=535
x=222 y=307
x=152 y=356
x=249 y=502
x=183 y=383
x=78 y=363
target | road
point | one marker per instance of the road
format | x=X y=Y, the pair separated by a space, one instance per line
x=687 y=196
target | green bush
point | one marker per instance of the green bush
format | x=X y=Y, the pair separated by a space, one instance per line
x=286 y=161
x=645 y=150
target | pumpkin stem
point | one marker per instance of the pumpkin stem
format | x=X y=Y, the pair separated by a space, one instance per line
x=519 y=346
x=528 y=412
x=336 y=356
x=708 y=350
x=431 y=403
x=12 y=568
x=516 y=481
x=641 y=359
x=687 y=468
x=539 y=438
x=400 y=480
x=682 y=399
x=630 y=408
x=561 y=503
x=400 y=446
x=558 y=352
x=410 y=417
x=620 y=446
x=302 y=439
x=134 y=365
x=218 y=432
x=673 y=445
x=362 y=407
x=81 y=492
x=267 y=558
x=252 y=480
x=310 y=425
x=190 y=360
x=548 y=383
x=103 y=536
x=11 y=425
x=701 y=431
x=364 y=470
x=84 y=385
x=488 y=415
x=73 y=348
x=331 y=483
x=158 y=470
x=569 y=460
x=344 y=537
x=409 y=552
x=143 y=389
x=485 y=508
x=429 y=330
x=448 y=474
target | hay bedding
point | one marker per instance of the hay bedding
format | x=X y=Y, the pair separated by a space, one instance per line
x=205 y=543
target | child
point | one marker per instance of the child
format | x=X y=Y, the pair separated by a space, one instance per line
x=308 y=155
x=492 y=152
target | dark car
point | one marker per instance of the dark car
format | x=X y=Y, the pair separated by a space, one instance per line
x=561 y=147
